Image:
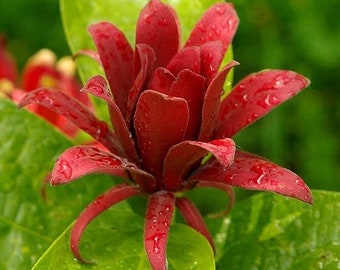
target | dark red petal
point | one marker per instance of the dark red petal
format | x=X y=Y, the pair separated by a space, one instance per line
x=76 y=112
x=193 y=218
x=146 y=58
x=181 y=157
x=33 y=75
x=161 y=80
x=160 y=122
x=93 y=54
x=212 y=101
x=8 y=68
x=79 y=161
x=157 y=26
x=224 y=187
x=255 y=96
x=211 y=58
x=99 y=205
x=187 y=58
x=219 y=22
x=190 y=86
x=256 y=174
x=159 y=213
x=97 y=86
x=116 y=56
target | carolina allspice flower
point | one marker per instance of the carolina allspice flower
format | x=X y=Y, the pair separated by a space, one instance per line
x=41 y=70
x=166 y=109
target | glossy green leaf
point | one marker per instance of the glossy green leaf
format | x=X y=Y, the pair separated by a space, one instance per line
x=269 y=232
x=28 y=223
x=115 y=241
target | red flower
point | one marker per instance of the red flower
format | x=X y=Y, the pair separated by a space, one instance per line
x=165 y=106
x=8 y=69
x=41 y=70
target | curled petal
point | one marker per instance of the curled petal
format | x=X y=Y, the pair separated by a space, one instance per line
x=92 y=54
x=190 y=86
x=193 y=218
x=212 y=102
x=79 y=161
x=256 y=174
x=116 y=56
x=181 y=158
x=76 y=112
x=255 y=96
x=224 y=187
x=219 y=22
x=99 y=205
x=211 y=58
x=187 y=58
x=161 y=80
x=159 y=213
x=160 y=122
x=158 y=27
x=97 y=86
x=146 y=61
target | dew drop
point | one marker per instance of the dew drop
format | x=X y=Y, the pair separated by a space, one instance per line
x=240 y=87
x=252 y=78
x=279 y=84
x=156 y=241
x=202 y=27
x=274 y=100
x=269 y=101
x=220 y=9
x=147 y=18
x=64 y=169
x=231 y=24
x=252 y=118
x=163 y=22
x=259 y=170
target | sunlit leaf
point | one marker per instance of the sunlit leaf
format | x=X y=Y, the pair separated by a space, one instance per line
x=115 y=241
x=273 y=232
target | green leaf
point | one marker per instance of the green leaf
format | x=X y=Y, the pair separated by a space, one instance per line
x=268 y=232
x=114 y=240
x=28 y=223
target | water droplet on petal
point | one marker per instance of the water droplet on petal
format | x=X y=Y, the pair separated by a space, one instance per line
x=269 y=101
x=163 y=22
x=64 y=169
x=202 y=27
x=279 y=84
x=156 y=241
x=259 y=170
x=240 y=87
x=220 y=9
x=231 y=24
x=252 y=118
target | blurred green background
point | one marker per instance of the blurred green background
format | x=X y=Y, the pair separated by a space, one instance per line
x=303 y=134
